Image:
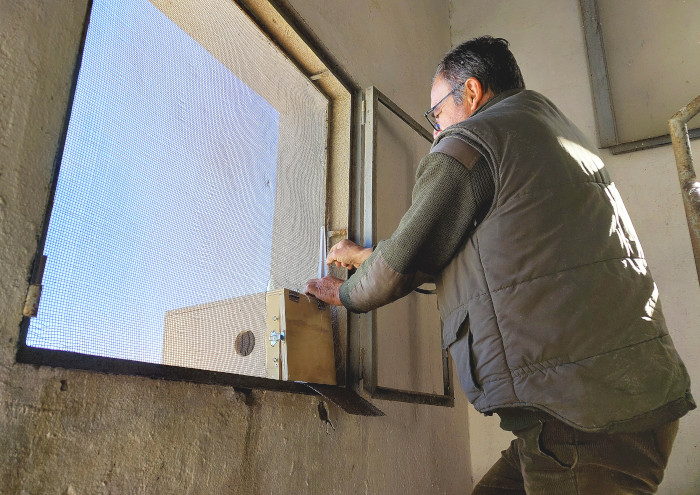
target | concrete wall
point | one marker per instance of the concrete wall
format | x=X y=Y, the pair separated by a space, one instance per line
x=72 y=432
x=547 y=40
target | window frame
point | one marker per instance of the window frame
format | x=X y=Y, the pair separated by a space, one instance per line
x=372 y=98
x=600 y=87
x=284 y=29
x=350 y=161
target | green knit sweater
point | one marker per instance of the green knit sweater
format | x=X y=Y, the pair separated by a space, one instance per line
x=448 y=199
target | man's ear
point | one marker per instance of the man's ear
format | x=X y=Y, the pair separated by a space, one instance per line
x=474 y=95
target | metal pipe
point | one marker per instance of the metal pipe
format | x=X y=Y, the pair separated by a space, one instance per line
x=690 y=185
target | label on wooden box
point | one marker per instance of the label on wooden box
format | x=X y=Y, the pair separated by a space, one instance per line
x=299 y=338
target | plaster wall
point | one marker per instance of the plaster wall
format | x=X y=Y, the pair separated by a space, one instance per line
x=73 y=432
x=547 y=40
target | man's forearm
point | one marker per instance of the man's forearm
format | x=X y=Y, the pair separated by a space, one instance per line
x=376 y=283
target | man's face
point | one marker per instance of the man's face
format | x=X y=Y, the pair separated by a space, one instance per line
x=448 y=112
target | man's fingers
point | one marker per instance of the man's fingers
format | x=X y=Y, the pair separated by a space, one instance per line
x=326 y=289
x=340 y=264
x=311 y=287
x=332 y=260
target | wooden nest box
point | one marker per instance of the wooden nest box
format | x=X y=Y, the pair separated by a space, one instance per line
x=299 y=338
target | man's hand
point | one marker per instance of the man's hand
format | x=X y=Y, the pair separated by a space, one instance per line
x=327 y=289
x=347 y=254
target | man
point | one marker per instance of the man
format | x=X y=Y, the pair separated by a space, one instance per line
x=546 y=301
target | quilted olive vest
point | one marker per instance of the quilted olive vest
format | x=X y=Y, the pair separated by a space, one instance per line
x=550 y=303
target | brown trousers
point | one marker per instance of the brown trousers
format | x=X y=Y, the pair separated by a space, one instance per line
x=553 y=458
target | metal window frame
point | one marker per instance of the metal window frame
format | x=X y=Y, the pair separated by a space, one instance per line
x=600 y=86
x=368 y=353
x=342 y=395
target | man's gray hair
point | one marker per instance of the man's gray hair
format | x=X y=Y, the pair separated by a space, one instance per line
x=485 y=58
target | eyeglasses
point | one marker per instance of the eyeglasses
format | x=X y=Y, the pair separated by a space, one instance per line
x=430 y=114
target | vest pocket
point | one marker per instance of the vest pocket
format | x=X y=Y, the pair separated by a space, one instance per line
x=461 y=351
x=454 y=326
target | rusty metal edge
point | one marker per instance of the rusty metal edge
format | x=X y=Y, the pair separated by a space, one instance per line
x=689 y=183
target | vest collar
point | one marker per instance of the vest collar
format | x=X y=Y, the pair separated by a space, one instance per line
x=492 y=102
x=498 y=98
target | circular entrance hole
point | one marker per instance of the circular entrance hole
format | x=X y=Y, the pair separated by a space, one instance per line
x=245 y=343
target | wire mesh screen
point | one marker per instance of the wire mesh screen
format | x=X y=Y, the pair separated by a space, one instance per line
x=192 y=181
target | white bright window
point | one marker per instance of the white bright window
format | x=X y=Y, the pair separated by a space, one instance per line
x=193 y=173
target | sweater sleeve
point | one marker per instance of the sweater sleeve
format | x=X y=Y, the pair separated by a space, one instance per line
x=447 y=200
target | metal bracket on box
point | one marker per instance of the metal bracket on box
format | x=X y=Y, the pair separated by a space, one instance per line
x=276 y=337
